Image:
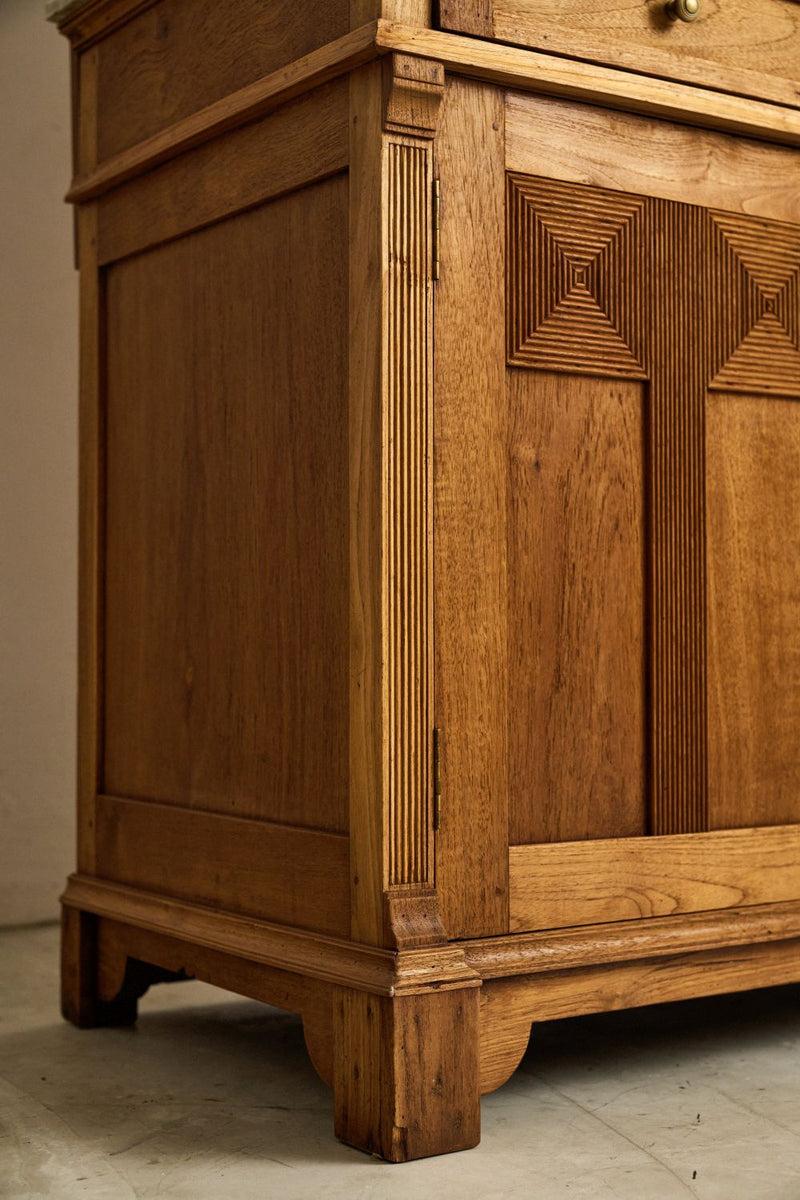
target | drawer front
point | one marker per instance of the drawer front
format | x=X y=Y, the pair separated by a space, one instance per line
x=751 y=47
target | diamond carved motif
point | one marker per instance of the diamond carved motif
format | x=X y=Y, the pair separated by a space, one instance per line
x=757 y=349
x=574 y=261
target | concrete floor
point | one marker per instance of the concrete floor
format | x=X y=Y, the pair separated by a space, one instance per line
x=213 y=1096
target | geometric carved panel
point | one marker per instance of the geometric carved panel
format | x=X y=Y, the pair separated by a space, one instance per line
x=756 y=344
x=574 y=301
x=612 y=284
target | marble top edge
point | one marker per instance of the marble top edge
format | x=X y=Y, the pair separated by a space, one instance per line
x=59 y=10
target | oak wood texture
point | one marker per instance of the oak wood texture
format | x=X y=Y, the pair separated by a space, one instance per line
x=514 y=67
x=753 y=498
x=226 y=517
x=628 y=941
x=279 y=872
x=373 y=969
x=629 y=985
x=608 y=284
x=91 y=487
x=406 y=1073
x=576 y=607
x=749 y=47
x=230 y=112
x=639 y=154
x=507 y=66
x=393 y=109
x=304 y=142
x=579 y=883
x=470 y=516
x=367 y=711
x=561 y=530
x=174 y=58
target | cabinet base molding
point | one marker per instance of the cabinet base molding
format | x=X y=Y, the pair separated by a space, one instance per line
x=474 y=1001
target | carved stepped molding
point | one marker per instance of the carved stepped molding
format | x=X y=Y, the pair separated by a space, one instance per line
x=575 y=267
x=608 y=284
x=761 y=265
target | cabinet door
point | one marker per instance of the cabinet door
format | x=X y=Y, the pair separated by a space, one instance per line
x=617 y=516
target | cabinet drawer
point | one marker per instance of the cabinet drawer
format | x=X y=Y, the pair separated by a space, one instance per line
x=751 y=47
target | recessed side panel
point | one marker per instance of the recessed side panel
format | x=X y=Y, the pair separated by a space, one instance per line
x=576 y=608
x=226 y=602
x=753 y=499
x=175 y=58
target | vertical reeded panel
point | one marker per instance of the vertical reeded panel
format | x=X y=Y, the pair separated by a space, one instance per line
x=408 y=519
x=679 y=377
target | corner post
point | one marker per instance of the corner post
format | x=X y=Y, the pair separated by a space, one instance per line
x=405 y=1060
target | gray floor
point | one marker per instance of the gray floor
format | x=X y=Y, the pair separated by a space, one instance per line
x=213 y=1096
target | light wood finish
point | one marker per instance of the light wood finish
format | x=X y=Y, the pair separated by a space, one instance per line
x=579 y=883
x=561 y=531
x=225 y=691
x=406 y=1073
x=368 y=717
x=638 y=154
x=470 y=516
x=505 y=65
x=370 y=969
x=753 y=501
x=512 y=67
x=630 y=985
x=628 y=941
x=148 y=80
x=577 y=753
x=393 y=112
x=505 y=1030
x=414 y=98
x=223 y=116
x=750 y=47
x=300 y=144
x=245 y=866
x=91 y=435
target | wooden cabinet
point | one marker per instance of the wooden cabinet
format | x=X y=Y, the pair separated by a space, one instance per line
x=440 y=525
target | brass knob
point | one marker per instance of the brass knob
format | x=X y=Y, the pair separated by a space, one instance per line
x=683 y=10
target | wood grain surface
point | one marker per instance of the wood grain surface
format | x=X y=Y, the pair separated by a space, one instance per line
x=470 y=502
x=753 y=497
x=576 y=608
x=636 y=153
x=302 y=143
x=511 y=66
x=176 y=58
x=257 y=868
x=406 y=1073
x=582 y=883
x=226 y=517
x=750 y=47
x=630 y=985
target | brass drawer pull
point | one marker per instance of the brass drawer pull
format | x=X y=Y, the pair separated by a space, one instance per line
x=683 y=10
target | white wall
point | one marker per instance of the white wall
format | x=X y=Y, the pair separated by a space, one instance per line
x=38 y=467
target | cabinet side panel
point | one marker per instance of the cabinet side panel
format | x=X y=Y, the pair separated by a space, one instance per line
x=177 y=57
x=226 y=600
x=576 y=608
x=753 y=497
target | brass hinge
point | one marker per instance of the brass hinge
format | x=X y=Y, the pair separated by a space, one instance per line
x=437 y=779
x=436 y=206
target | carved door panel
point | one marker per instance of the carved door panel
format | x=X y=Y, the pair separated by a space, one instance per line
x=623 y=716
